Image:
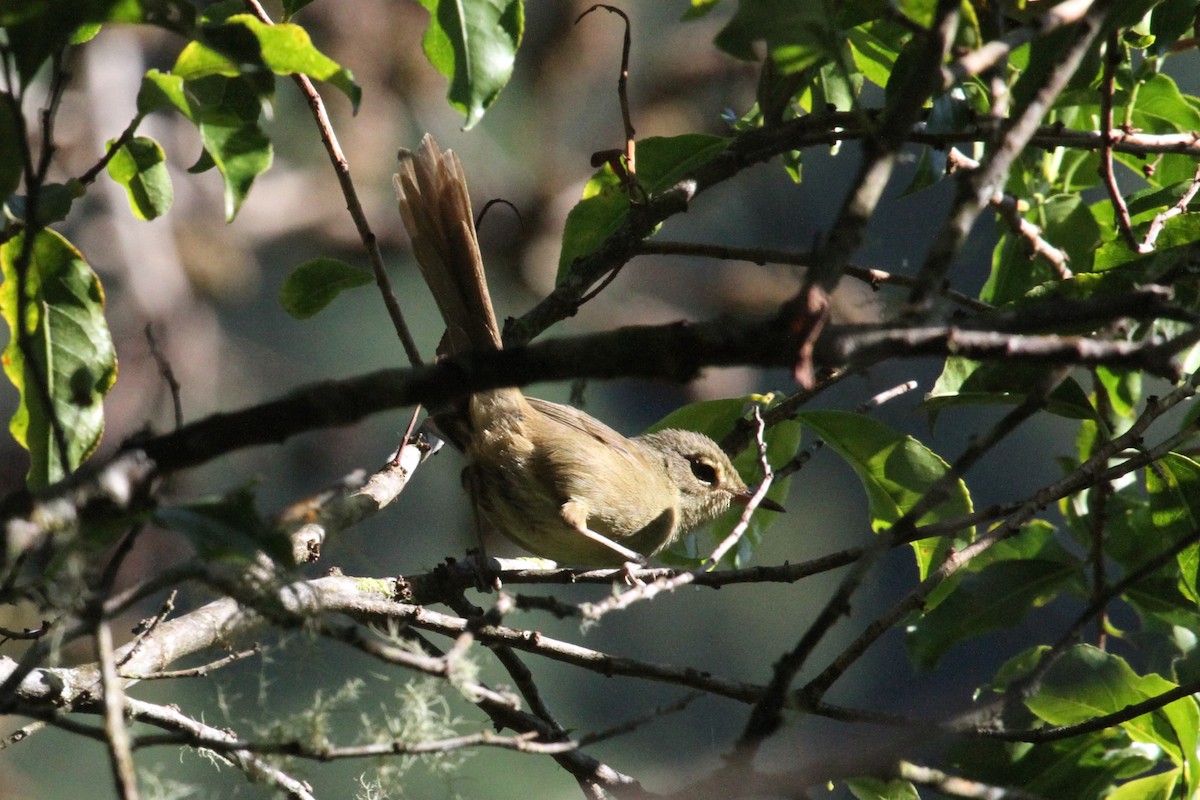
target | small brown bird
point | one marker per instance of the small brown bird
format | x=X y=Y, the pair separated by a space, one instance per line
x=556 y=481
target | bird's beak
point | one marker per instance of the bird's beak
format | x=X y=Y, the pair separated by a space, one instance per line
x=766 y=502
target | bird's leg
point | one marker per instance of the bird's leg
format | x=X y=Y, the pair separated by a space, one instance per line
x=469 y=481
x=574 y=513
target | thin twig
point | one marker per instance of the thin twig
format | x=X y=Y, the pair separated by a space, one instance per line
x=636 y=193
x=168 y=374
x=1160 y=220
x=120 y=750
x=341 y=167
x=1008 y=208
x=147 y=627
x=89 y=177
x=197 y=672
x=979 y=186
x=956 y=786
x=763 y=255
x=767 y=714
x=1113 y=55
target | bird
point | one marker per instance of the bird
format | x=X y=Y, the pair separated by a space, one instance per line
x=551 y=478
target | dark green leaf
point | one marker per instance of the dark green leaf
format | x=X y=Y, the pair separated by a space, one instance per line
x=661 y=163
x=314 y=284
x=1086 y=683
x=798 y=35
x=54 y=203
x=1170 y=20
x=140 y=166
x=926 y=173
x=292 y=7
x=225 y=110
x=1080 y=768
x=1000 y=596
x=1174 y=489
x=1066 y=223
x=896 y=471
x=964 y=382
x=241 y=153
x=38 y=30
x=70 y=359
x=10 y=153
x=877 y=789
x=226 y=528
x=474 y=44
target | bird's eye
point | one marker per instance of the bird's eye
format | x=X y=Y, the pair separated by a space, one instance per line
x=704 y=471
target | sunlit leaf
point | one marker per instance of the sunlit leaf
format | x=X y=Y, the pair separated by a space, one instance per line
x=661 y=162
x=474 y=44
x=140 y=167
x=70 y=358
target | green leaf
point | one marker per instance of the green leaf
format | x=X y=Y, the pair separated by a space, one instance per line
x=964 y=382
x=1000 y=596
x=10 y=153
x=241 y=153
x=1086 y=683
x=877 y=789
x=1174 y=490
x=71 y=358
x=797 y=35
x=474 y=44
x=1067 y=223
x=225 y=111
x=314 y=284
x=1172 y=246
x=286 y=49
x=896 y=471
x=140 y=166
x=1152 y=787
x=54 y=203
x=160 y=91
x=1124 y=389
x=292 y=7
x=38 y=30
x=661 y=163
x=226 y=528
x=1161 y=108
x=1170 y=20
x=1080 y=768
x=875 y=46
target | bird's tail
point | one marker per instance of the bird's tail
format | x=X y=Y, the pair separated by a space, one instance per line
x=436 y=210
